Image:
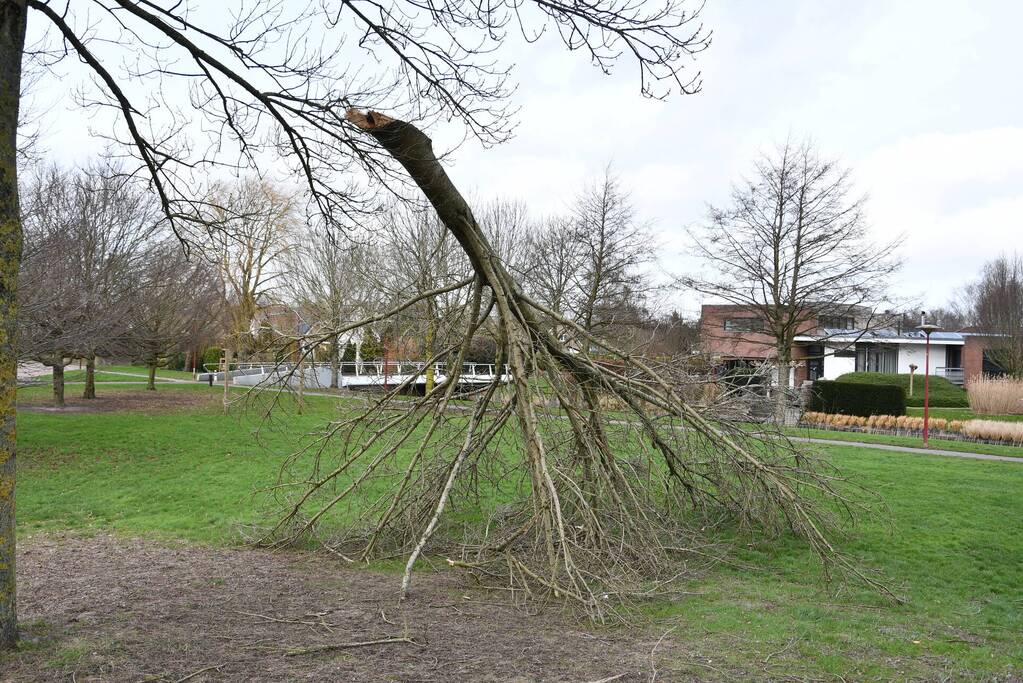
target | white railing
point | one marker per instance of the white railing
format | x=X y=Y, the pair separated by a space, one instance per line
x=362 y=368
x=953 y=375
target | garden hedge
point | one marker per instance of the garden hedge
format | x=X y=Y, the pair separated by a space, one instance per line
x=853 y=398
x=944 y=394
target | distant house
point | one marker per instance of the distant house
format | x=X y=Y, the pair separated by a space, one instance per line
x=832 y=346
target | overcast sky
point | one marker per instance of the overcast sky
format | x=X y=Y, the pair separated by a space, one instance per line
x=924 y=105
x=921 y=99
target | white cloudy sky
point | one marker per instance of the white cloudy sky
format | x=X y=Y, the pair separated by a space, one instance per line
x=921 y=99
x=924 y=104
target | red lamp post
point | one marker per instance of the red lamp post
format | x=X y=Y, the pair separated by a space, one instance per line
x=927 y=329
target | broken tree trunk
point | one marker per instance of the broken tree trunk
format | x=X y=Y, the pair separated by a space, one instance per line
x=607 y=501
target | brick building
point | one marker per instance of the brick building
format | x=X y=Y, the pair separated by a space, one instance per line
x=832 y=346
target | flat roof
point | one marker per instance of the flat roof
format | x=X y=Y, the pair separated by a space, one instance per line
x=884 y=336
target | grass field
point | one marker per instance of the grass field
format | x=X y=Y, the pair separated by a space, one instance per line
x=951 y=546
x=908 y=441
x=962 y=414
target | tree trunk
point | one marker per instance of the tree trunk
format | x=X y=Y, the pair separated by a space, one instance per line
x=58 y=386
x=90 y=378
x=428 y=351
x=227 y=379
x=300 y=368
x=414 y=151
x=12 y=42
x=781 y=392
x=335 y=362
x=151 y=384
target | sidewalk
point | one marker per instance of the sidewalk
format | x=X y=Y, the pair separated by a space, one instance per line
x=908 y=449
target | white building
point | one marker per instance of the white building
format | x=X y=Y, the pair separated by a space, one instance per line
x=836 y=352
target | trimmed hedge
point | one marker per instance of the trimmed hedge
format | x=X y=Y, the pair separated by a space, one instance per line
x=944 y=394
x=853 y=398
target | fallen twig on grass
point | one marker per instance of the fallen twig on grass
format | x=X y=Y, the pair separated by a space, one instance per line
x=200 y=671
x=653 y=661
x=346 y=646
x=787 y=647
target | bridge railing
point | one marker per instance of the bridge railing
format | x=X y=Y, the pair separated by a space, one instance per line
x=953 y=375
x=361 y=368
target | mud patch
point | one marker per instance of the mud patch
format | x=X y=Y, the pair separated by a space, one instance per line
x=110 y=609
x=141 y=400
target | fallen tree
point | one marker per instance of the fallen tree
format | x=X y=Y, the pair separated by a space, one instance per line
x=599 y=473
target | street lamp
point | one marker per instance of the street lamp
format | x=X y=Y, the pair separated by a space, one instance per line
x=927 y=329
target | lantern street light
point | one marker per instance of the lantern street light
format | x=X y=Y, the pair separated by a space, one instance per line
x=927 y=329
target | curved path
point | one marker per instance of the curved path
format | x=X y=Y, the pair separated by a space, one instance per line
x=909 y=449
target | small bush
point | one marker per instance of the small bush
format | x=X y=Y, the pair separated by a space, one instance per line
x=852 y=398
x=996 y=395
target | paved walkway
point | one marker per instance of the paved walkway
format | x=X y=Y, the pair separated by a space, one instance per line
x=909 y=449
x=146 y=377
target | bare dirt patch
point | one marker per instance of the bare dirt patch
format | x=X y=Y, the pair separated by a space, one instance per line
x=110 y=609
x=140 y=400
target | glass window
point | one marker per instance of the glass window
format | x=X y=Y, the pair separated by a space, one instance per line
x=744 y=324
x=836 y=322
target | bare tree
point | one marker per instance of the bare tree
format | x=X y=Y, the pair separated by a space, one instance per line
x=274 y=83
x=616 y=247
x=172 y=299
x=85 y=229
x=255 y=223
x=554 y=267
x=327 y=278
x=425 y=257
x=590 y=265
x=794 y=246
x=995 y=305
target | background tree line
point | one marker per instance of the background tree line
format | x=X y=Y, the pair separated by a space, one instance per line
x=104 y=277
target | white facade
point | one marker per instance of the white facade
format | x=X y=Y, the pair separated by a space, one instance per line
x=914 y=354
x=836 y=366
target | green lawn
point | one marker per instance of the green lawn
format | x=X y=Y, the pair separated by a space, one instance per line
x=190 y=474
x=909 y=441
x=962 y=414
x=942 y=392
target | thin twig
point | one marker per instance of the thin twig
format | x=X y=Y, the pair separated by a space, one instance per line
x=653 y=662
x=200 y=671
x=347 y=646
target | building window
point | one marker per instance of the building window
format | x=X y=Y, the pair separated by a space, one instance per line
x=836 y=322
x=991 y=364
x=744 y=325
x=870 y=358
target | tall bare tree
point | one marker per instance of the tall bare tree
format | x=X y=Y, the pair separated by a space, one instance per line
x=255 y=221
x=172 y=299
x=616 y=247
x=329 y=277
x=85 y=230
x=590 y=265
x=273 y=82
x=995 y=304
x=425 y=257
x=793 y=246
